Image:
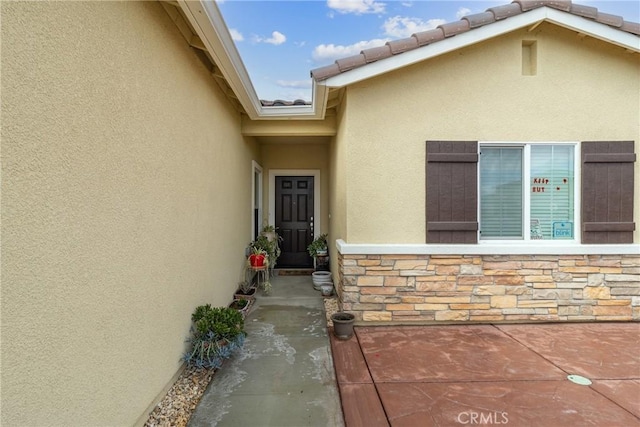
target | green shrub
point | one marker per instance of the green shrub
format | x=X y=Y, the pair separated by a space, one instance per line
x=215 y=334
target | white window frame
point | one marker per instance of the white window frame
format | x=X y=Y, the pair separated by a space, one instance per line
x=526 y=205
x=256 y=169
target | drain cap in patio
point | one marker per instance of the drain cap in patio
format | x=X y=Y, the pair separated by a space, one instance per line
x=577 y=379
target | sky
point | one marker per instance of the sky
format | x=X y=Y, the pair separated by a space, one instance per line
x=280 y=42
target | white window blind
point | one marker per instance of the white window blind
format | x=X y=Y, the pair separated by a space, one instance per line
x=501 y=192
x=552 y=192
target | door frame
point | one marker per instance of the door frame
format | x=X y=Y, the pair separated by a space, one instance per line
x=315 y=173
x=256 y=197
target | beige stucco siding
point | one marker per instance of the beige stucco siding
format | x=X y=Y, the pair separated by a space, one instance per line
x=123 y=174
x=338 y=184
x=584 y=89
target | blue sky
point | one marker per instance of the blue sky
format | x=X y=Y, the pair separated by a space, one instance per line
x=281 y=41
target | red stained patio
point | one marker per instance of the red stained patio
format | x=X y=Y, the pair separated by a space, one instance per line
x=513 y=375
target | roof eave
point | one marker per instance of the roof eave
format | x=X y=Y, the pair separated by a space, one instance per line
x=207 y=21
x=576 y=23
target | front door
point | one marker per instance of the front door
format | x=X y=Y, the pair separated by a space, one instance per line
x=294 y=219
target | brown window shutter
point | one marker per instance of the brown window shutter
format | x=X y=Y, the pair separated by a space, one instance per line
x=607 y=191
x=452 y=192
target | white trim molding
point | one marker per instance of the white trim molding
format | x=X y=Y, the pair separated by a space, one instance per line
x=256 y=169
x=206 y=19
x=484 y=249
x=315 y=173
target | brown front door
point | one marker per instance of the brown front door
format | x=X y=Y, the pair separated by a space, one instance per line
x=294 y=218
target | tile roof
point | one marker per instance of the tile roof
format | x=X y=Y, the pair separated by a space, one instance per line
x=281 y=103
x=468 y=23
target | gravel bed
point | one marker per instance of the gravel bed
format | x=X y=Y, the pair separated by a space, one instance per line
x=176 y=407
x=330 y=307
x=181 y=400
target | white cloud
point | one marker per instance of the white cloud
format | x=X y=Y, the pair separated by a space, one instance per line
x=296 y=84
x=357 y=7
x=462 y=12
x=401 y=27
x=236 y=35
x=325 y=53
x=276 y=38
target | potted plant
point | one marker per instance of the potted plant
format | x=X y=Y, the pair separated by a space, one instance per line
x=269 y=231
x=216 y=333
x=326 y=289
x=269 y=248
x=258 y=256
x=246 y=290
x=241 y=305
x=318 y=246
x=343 y=325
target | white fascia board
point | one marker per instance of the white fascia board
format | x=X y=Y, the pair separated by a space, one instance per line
x=583 y=25
x=594 y=29
x=206 y=19
x=484 y=249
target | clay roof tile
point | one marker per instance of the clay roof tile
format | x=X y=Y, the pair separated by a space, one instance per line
x=350 y=62
x=430 y=36
x=612 y=20
x=631 y=27
x=584 y=11
x=564 y=5
x=325 y=72
x=452 y=28
x=479 y=19
x=506 y=11
x=376 y=53
x=526 y=5
x=403 y=45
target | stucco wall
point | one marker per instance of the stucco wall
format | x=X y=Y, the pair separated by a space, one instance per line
x=122 y=175
x=338 y=185
x=584 y=90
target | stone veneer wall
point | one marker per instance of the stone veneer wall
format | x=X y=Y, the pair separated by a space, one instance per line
x=481 y=288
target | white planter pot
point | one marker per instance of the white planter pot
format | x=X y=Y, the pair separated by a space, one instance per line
x=326 y=289
x=318 y=286
x=321 y=276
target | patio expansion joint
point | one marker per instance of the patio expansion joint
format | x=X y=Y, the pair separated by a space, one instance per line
x=346 y=383
x=530 y=349
x=610 y=399
x=375 y=385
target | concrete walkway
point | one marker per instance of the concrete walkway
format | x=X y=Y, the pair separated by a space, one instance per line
x=284 y=375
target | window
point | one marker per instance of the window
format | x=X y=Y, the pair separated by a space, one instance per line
x=529 y=191
x=527 y=184
x=546 y=202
